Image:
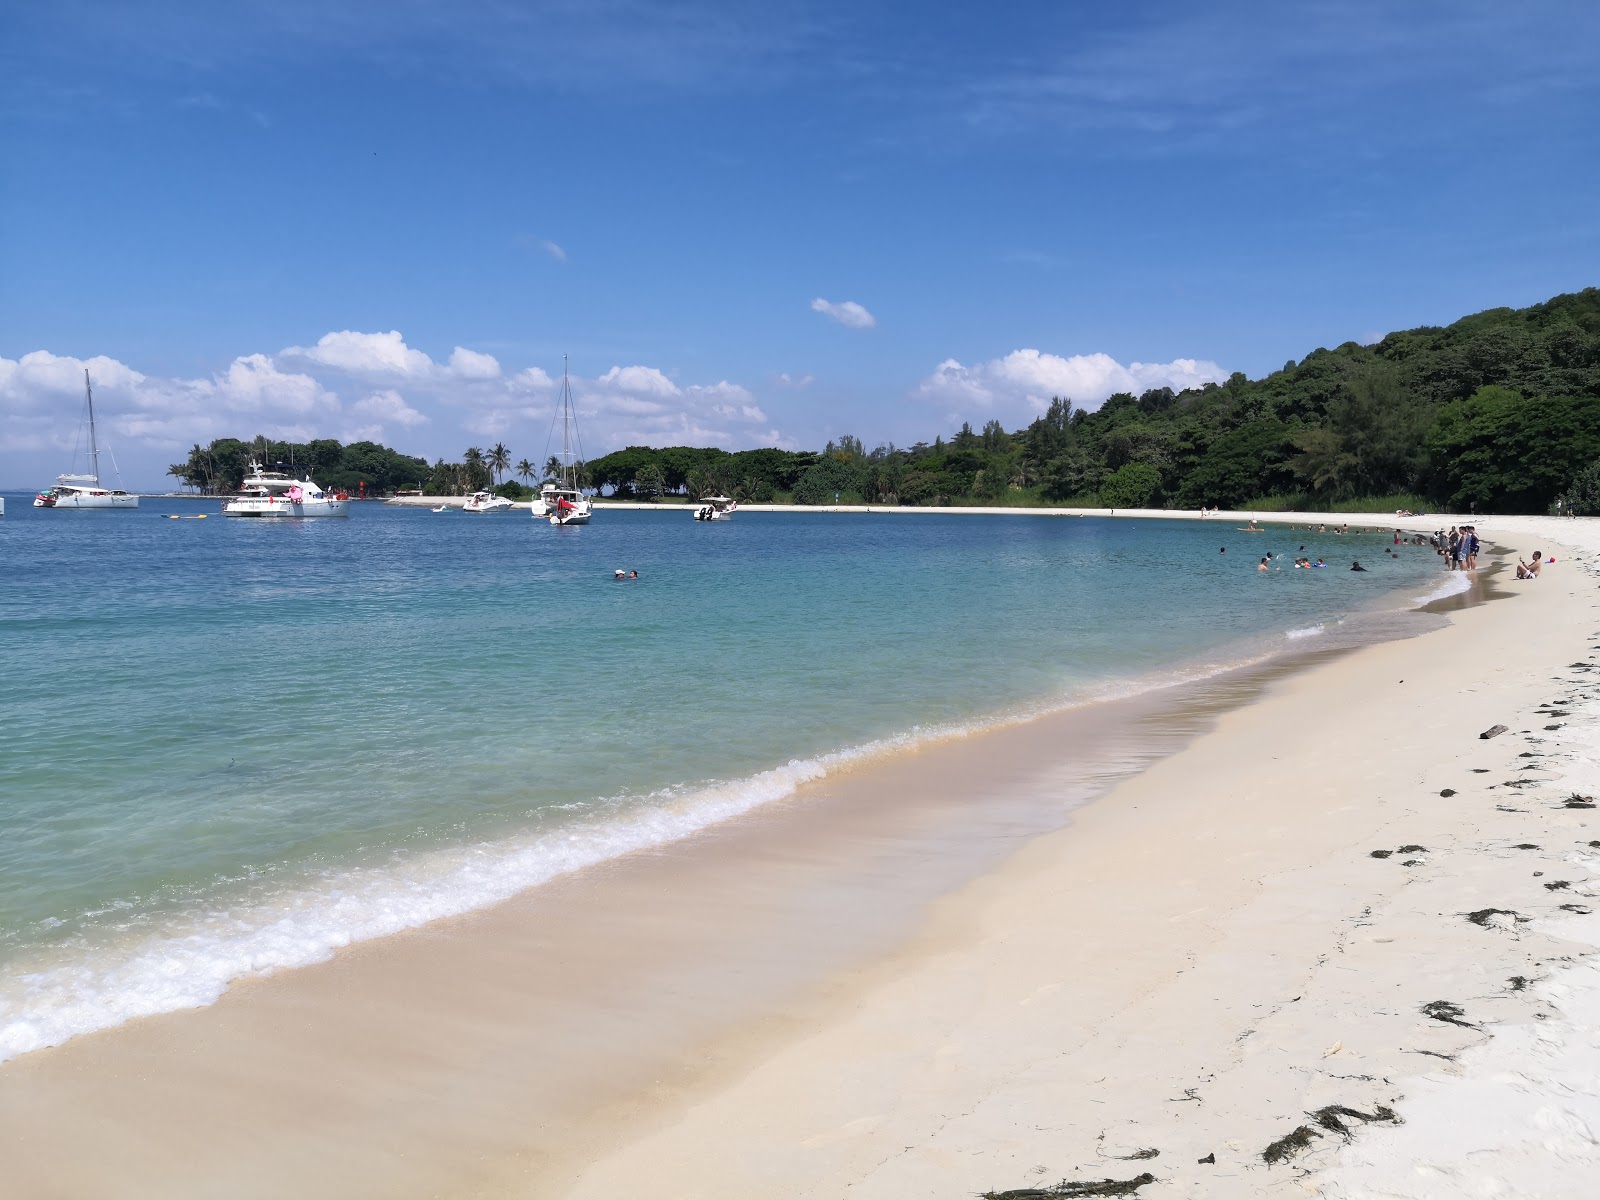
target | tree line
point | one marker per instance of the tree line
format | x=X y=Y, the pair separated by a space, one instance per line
x=1498 y=412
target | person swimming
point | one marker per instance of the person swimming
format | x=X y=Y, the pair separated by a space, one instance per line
x=1355 y=566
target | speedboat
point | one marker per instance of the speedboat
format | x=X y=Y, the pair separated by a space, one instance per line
x=561 y=500
x=276 y=494
x=486 y=502
x=84 y=491
x=715 y=508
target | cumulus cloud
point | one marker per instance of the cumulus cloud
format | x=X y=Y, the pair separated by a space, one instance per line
x=848 y=313
x=794 y=381
x=393 y=393
x=644 y=380
x=1029 y=378
x=388 y=407
x=469 y=364
x=365 y=353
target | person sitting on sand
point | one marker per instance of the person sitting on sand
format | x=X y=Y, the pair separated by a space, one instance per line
x=1535 y=563
x=1355 y=566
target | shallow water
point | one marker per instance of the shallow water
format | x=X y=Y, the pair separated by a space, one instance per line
x=228 y=746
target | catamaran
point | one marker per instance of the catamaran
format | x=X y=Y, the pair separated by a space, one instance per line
x=561 y=500
x=84 y=491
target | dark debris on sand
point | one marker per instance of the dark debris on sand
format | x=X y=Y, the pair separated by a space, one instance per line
x=1483 y=916
x=1577 y=801
x=1076 y=1187
x=1448 y=1012
x=1333 y=1117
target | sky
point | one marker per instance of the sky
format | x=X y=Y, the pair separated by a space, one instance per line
x=748 y=223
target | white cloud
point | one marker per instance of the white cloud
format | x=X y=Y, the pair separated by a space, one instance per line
x=365 y=353
x=553 y=250
x=847 y=312
x=647 y=380
x=469 y=364
x=532 y=379
x=435 y=410
x=1029 y=378
x=794 y=381
x=388 y=406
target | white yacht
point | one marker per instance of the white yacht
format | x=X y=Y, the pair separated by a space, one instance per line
x=715 y=508
x=486 y=502
x=276 y=494
x=84 y=491
x=561 y=500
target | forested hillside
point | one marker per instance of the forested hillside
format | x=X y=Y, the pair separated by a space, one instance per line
x=1500 y=410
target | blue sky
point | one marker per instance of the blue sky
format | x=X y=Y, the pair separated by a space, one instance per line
x=748 y=223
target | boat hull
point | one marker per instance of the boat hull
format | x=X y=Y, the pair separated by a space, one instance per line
x=76 y=500
x=278 y=509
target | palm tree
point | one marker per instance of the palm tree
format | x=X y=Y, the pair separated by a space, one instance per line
x=552 y=467
x=525 y=470
x=473 y=466
x=498 y=460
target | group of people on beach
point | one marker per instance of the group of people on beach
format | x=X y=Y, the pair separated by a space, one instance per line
x=1459 y=548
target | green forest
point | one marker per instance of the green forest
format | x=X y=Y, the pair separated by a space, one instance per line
x=1498 y=412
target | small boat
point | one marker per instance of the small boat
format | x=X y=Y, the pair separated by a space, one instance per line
x=715 y=508
x=561 y=500
x=276 y=494
x=84 y=491
x=485 y=502
x=441 y=508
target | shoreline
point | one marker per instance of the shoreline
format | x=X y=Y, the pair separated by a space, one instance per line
x=252 y=1026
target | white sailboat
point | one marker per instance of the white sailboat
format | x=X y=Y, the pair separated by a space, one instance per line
x=561 y=500
x=84 y=491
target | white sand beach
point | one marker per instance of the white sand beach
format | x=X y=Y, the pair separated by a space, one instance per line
x=1336 y=944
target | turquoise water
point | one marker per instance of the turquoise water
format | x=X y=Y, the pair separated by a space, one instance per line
x=230 y=746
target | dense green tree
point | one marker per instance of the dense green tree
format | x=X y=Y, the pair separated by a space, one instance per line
x=1132 y=485
x=1499 y=452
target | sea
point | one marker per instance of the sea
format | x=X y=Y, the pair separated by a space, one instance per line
x=230 y=747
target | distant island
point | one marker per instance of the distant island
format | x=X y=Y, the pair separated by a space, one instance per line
x=1498 y=412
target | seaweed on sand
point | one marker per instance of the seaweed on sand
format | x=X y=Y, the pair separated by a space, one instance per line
x=1449 y=1013
x=1076 y=1187
x=1518 y=982
x=1558 y=885
x=1577 y=801
x=1382 y=853
x=1412 y=850
x=1483 y=916
x=1332 y=1118
x=1582 y=910
x=1136 y=1156
x=1525 y=846
x=1448 y=792
x=1289 y=1145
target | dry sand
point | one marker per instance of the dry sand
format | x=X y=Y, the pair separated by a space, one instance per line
x=1205 y=960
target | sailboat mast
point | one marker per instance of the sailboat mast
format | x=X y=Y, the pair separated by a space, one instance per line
x=94 y=446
